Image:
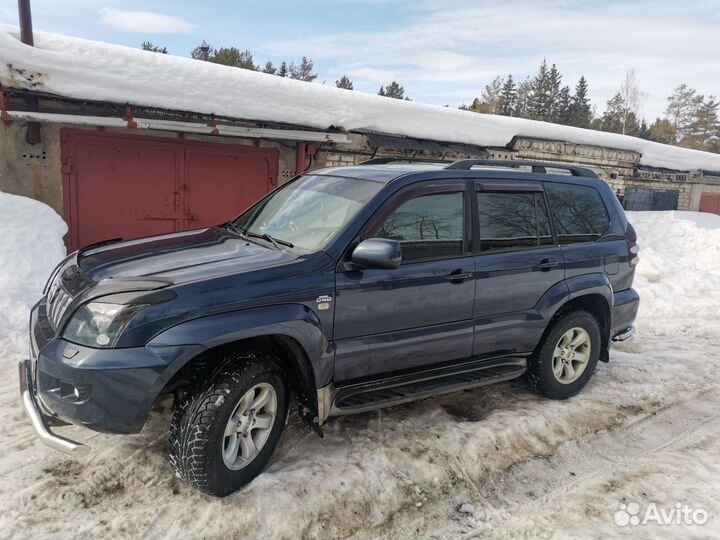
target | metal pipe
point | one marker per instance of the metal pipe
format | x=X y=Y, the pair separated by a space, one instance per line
x=177 y=126
x=26 y=28
x=32 y=135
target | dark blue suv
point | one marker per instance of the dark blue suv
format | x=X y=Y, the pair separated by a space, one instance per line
x=347 y=289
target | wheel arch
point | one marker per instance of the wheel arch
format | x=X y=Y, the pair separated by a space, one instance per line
x=590 y=292
x=291 y=332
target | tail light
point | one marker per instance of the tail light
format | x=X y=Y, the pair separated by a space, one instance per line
x=632 y=245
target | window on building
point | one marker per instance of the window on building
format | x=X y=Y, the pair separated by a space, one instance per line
x=427 y=227
x=578 y=212
x=511 y=221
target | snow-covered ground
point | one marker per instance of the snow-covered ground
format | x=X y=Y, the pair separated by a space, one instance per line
x=83 y=69
x=498 y=462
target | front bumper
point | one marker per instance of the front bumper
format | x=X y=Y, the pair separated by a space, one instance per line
x=40 y=422
x=106 y=390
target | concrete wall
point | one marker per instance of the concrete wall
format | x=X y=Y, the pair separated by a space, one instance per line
x=31 y=170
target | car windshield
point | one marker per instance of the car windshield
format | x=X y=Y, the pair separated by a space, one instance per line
x=308 y=212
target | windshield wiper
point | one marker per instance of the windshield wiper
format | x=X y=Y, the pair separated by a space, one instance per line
x=274 y=241
x=265 y=236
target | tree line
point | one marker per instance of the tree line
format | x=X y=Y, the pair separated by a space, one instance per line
x=232 y=56
x=690 y=120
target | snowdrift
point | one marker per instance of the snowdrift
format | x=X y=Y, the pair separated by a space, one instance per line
x=83 y=69
x=31 y=243
x=678 y=277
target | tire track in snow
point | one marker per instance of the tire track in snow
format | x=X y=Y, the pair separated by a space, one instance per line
x=577 y=469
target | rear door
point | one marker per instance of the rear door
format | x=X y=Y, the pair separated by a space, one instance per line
x=591 y=242
x=516 y=263
x=388 y=321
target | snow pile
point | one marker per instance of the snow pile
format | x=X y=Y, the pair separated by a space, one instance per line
x=83 y=69
x=679 y=272
x=31 y=241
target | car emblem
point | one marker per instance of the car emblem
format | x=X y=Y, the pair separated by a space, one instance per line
x=323 y=301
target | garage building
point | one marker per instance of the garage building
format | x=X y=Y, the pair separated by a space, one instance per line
x=128 y=143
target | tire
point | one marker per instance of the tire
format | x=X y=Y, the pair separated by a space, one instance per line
x=198 y=444
x=559 y=383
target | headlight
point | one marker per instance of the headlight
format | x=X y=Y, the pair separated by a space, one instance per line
x=99 y=324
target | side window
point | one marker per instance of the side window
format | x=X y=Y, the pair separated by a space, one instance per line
x=578 y=212
x=427 y=227
x=511 y=220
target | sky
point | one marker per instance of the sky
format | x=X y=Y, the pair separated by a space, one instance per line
x=442 y=52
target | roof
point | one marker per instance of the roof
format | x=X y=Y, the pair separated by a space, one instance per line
x=81 y=69
x=387 y=172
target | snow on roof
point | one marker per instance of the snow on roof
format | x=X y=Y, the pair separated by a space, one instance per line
x=82 y=69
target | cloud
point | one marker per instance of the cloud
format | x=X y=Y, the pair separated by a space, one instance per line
x=144 y=22
x=441 y=50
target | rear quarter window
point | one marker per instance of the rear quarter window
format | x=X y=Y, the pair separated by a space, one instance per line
x=578 y=212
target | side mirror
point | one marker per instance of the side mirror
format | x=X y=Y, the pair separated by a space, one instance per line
x=378 y=253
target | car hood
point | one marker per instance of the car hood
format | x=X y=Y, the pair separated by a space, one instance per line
x=181 y=256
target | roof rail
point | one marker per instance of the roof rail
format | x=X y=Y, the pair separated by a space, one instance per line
x=384 y=160
x=537 y=166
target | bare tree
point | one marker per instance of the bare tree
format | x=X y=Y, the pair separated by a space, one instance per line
x=632 y=99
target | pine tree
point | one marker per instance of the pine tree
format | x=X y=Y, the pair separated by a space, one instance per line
x=705 y=127
x=523 y=98
x=662 y=130
x=228 y=56
x=269 y=68
x=202 y=52
x=563 y=107
x=681 y=110
x=508 y=97
x=393 y=90
x=580 y=110
x=539 y=98
x=552 y=105
x=344 y=82
x=282 y=70
x=644 y=132
x=612 y=118
x=148 y=46
x=303 y=72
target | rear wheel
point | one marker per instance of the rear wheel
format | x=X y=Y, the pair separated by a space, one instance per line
x=567 y=356
x=222 y=438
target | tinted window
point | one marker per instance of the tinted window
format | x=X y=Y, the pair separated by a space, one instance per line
x=512 y=221
x=427 y=227
x=578 y=212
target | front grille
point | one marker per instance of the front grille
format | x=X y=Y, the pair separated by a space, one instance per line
x=58 y=301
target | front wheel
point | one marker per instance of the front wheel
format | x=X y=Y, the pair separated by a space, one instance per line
x=223 y=437
x=567 y=356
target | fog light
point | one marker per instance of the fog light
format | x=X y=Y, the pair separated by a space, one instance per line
x=70 y=392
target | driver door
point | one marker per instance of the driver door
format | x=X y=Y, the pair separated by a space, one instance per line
x=417 y=315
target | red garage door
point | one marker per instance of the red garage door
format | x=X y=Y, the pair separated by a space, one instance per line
x=131 y=186
x=710 y=202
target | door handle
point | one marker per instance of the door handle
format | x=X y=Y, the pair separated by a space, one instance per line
x=547 y=264
x=458 y=276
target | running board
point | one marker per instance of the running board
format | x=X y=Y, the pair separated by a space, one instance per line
x=402 y=389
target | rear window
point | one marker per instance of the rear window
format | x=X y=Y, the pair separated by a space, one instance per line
x=511 y=221
x=578 y=212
